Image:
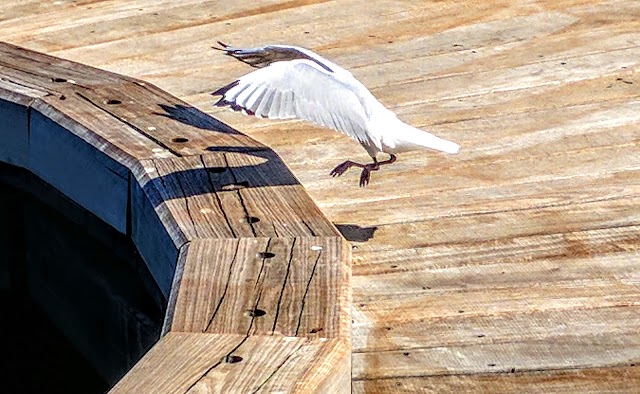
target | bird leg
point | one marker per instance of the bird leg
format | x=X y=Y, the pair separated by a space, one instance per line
x=365 y=176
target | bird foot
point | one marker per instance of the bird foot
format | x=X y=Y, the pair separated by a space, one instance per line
x=365 y=176
x=343 y=167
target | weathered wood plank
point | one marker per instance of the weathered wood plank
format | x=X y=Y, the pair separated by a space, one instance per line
x=166 y=120
x=265 y=286
x=100 y=129
x=151 y=116
x=614 y=379
x=542 y=97
x=189 y=362
x=230 y=195
x=560 y=353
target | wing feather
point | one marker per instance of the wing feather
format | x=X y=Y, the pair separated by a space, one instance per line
x=301 y=89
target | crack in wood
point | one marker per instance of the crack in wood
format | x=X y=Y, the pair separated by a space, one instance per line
x=304 y=222
x=215 y=365
x=186 y=203
x=306 y=291
x=284 y=284
x=502 y=371
x=242 y=202
x=226 y=287
x=134 y=127
x=29 y=86
x=260 y=288
x=218 y=200
x=272 y=374
x=160 y=178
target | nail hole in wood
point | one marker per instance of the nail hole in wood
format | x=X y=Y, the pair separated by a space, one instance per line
x=480 y=335
x=180 y=139
x=266 y=255
x=62 y=97
x=235 y=186
x=216 y=170
x=256 y=313
x=316 y=330
x=491 y=365
x=406 y=354
x=232 y=359
x=59 y=80
x=252 y=219
x=113 y=102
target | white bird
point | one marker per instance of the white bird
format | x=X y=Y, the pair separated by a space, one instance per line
x=294 y=82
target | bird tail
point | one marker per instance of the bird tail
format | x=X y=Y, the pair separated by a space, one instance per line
x=420 y=138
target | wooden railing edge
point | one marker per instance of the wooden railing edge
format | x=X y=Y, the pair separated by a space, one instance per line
x=136 y=180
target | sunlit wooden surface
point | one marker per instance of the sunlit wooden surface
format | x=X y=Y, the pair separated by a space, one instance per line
x=512 y=266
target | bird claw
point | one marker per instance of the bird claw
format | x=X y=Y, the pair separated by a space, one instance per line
x=341 y=168
x=365 y=176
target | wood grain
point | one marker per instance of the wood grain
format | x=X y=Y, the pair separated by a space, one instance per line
x=230 y=195
x=532 y=230
x=615 y=379
x=101 y=144
x=190 y=362
x=265 y=286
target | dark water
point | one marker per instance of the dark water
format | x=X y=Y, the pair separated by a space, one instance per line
x=78 y=306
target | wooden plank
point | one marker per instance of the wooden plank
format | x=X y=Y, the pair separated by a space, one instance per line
x=49 y=73
x=494 y=226
x=170 y=122
x=614 y=379
x=542 y=98
x=230 y=195
x=528 y=257
x=157 y=123
x=560 y=353
x=190 y=362
x=100 y=129
x=265 y=286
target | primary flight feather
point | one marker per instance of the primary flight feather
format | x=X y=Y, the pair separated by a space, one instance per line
x=293 y=82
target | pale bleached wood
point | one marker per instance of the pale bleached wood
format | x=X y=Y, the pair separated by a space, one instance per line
x=260 y=286
x=617 y=379
x=563 y=352
x=166 y=120
x=489 y=75
x=194 y=363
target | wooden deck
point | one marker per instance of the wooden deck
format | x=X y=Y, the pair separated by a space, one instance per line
x=513 y=266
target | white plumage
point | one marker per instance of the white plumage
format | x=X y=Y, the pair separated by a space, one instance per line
x=293 y=82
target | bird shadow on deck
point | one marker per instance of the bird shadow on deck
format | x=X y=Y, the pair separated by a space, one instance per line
x=219 y=169
x=194 y=117
x=355 y=233
x=205 y=178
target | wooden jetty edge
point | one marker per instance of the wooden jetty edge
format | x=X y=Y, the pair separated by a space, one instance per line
x=257 y=279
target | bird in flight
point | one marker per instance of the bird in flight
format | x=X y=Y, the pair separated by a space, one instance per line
x=294 y=82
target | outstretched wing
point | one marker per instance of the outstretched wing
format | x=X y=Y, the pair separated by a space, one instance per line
x=269 y=54
x=299 y=89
